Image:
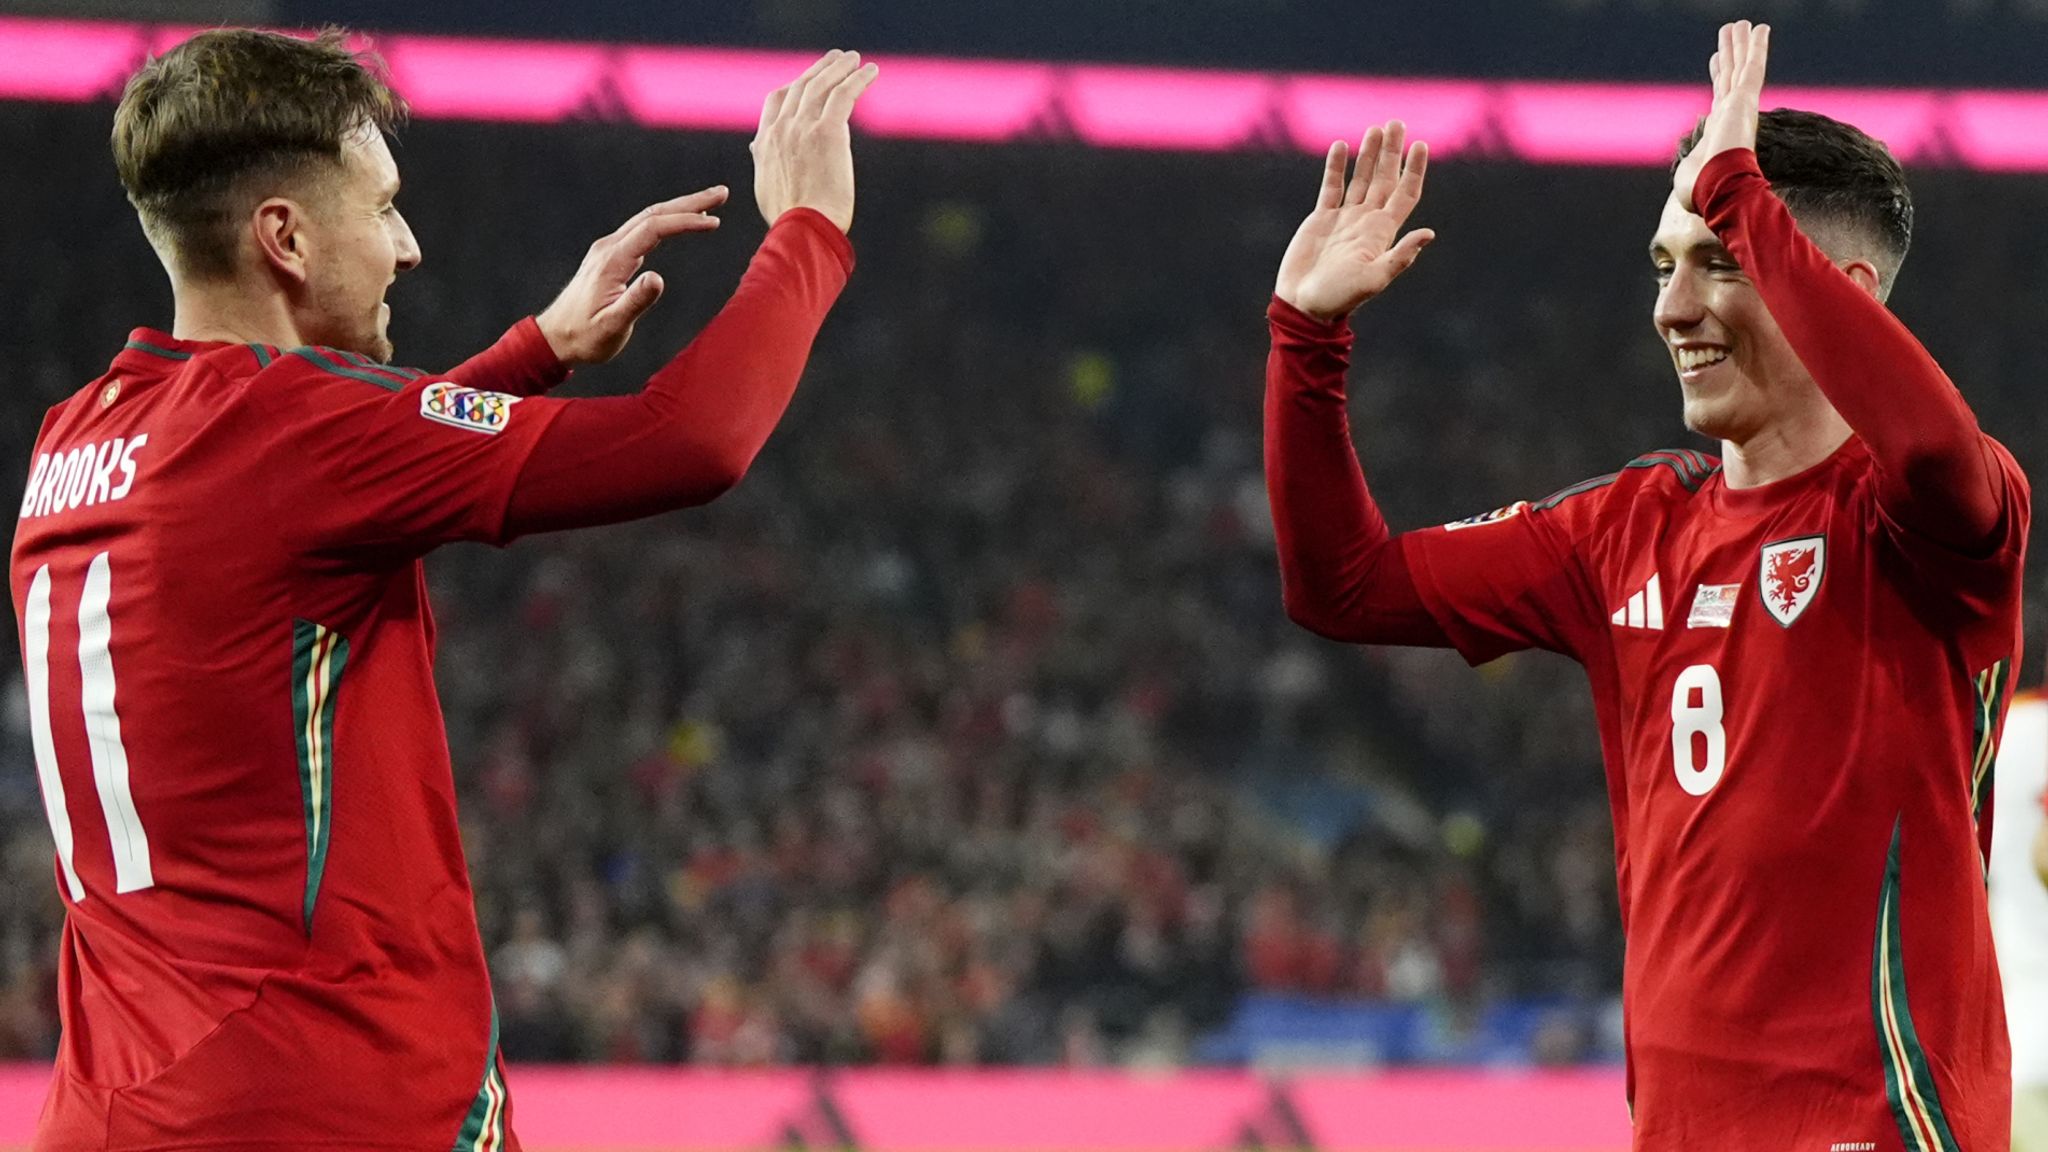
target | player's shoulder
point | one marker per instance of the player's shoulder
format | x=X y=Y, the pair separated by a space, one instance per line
x=1657 y=479
x=309 y=389
x=314 y=390
x=332 y=368
x=1669 y=475
x=148 y=358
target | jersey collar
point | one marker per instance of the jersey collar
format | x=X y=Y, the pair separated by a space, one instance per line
x=154 y=350
x=1779 y=493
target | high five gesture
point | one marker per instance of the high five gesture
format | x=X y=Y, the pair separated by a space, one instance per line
x=803 y=153
x=1737 y=68
x=1345 y=252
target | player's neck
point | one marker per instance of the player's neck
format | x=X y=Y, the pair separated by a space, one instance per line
x=227 y=312
x=1783 y=449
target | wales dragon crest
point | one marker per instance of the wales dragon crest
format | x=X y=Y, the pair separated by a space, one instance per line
x=1791 y=575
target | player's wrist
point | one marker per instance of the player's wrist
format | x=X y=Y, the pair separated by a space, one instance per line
x=807 y=220
x=538 y=353
x=1313 y=311
x=1721 y=170
x=841 y=221
x=555 y=335
x=1289 y=319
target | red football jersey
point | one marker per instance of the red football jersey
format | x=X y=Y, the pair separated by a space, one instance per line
x=1799 y=703
x=270 y=939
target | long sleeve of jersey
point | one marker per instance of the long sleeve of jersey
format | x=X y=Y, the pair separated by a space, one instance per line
x=1342 y=574
x=692 y=432
x=1939 y=475
x=521 y=363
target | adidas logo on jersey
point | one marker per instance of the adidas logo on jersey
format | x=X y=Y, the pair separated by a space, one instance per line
x=1645 y=609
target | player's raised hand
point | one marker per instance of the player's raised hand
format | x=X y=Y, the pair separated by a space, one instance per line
x=590 y=322
x=1737 y=69
x=803 y=154
x=1346 y=251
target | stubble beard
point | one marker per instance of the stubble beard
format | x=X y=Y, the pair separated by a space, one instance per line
x=376 y=343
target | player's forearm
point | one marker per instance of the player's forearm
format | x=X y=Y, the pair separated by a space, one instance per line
x=1342 y=575
x=724 y=394
x=521 y=363
x=694 y=430
x=1938 y=474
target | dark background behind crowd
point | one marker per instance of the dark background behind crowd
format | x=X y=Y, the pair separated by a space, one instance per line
x=969 y=729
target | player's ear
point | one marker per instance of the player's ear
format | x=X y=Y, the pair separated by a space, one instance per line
x=1864 y=273
x=278 y=228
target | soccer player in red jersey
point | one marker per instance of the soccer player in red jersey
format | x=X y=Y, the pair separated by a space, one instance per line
x=1799 y=652
x=270 y=940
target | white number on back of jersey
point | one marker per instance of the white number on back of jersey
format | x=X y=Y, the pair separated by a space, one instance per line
x=1696 y=717
x=102 y=726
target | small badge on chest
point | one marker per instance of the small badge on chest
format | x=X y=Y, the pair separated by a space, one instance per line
x=1713 y=606
x=1790 y=575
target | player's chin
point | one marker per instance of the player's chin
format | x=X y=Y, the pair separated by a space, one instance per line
x=374 y=344
x=377 y=344
x=1706 y=417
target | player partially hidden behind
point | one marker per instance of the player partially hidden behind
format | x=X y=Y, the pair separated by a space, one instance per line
x=270 y=941
x=1799 y=652
x=2030 y=1101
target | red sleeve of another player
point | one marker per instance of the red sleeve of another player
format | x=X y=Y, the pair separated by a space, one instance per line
x=1510 y=579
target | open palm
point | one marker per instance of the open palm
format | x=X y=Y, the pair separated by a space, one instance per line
x=1346 y=251
x=1737 y=70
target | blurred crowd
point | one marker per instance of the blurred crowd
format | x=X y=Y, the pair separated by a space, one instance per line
x=969 y=729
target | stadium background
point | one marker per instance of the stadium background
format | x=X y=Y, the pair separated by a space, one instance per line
x=968 y=731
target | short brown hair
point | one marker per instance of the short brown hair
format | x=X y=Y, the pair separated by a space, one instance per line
x=1832 y=174
x=223 y=119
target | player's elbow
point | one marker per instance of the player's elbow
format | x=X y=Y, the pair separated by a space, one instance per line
x=1311 y=612
x=697 y=473
x=718 y=476
x=727 y=472
x=725 y=465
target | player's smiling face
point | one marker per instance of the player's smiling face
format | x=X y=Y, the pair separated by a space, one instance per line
x=361 y=243
x=1737 y=372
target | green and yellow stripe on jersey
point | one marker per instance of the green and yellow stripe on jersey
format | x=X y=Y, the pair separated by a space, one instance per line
x=1908 y=1079
x=319 y=654
x=483 y=1130
x=1990 y=685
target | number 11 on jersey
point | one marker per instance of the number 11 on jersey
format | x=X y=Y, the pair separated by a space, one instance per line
x=1696 y=714
x=102 y=726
